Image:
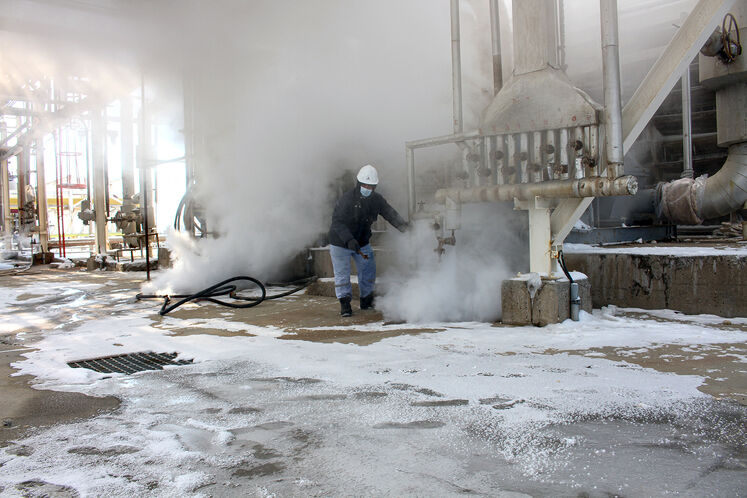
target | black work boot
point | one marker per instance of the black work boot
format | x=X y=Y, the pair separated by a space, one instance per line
x=345 y=308
x=367 y=302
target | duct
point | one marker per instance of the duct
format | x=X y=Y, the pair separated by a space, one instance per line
x=689 y=202
x=586 y=187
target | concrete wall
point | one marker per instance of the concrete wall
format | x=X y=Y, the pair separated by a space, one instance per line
x=691 y=284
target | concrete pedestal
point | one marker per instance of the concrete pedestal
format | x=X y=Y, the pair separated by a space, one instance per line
x=550 y=303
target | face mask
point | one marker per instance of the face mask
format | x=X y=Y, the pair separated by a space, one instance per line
x=365 y=192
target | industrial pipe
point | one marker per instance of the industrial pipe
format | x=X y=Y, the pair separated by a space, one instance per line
x=558 y=189
x=687 y=137
x=612 y=99
x=456 y=67
x=495 y=37
x=726 y=191
x=689 y=202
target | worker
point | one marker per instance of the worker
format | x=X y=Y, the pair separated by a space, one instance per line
x=350 y=234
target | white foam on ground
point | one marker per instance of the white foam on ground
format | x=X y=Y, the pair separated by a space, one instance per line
x=200 y=425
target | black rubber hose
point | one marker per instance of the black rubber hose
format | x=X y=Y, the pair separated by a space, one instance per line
x=221 y=289
x=303 y=283
x=561 y=260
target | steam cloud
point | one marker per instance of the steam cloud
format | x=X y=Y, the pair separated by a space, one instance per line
x=289 y=101
x=464 y=284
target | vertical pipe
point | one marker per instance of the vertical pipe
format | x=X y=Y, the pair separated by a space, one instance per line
x=565 y=166
x=511 y=159
x=495 y=36
x=612 y=97
x=144 y=175
x=21 y=181
x=98 y=151
x=41 y=197
x=523 y=147
x=189 y=83
x=560 y=33
x=410 y=158
x=127 y=138
x=7 y=219
x=456 y=67
x=502 y=165
x=687 y=139
x=485 y=167
x=550 y=151
x=580 y=146
x=537 y=160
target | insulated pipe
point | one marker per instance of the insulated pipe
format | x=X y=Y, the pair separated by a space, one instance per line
x=456 y=67
x=612 y=99
x=687 y=138
x=586 y=187
x=495 y=36
x=689 y=202
x=726 y=191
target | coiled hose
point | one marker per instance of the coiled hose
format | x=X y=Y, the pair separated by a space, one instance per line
x=224 y=288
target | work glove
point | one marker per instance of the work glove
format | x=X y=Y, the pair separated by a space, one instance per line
x=353 y=245
x=404 y=227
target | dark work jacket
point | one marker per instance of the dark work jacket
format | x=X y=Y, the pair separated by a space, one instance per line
x=354 y=214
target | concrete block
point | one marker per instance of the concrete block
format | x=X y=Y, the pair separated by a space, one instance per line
x=516 y=303
x=551 y=302
x=326 y=287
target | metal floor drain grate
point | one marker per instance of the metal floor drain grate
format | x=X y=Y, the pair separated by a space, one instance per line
x=129 y=363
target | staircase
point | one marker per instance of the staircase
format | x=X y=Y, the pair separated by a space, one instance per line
x=707 y=156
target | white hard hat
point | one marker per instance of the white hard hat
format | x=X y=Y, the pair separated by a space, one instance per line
x=368 y=175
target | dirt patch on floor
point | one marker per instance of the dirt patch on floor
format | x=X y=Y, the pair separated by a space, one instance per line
x=721 y=365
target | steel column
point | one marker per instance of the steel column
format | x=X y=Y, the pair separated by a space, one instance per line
x=539 y=237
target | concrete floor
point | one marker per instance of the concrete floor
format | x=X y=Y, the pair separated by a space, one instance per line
x=25 y=410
